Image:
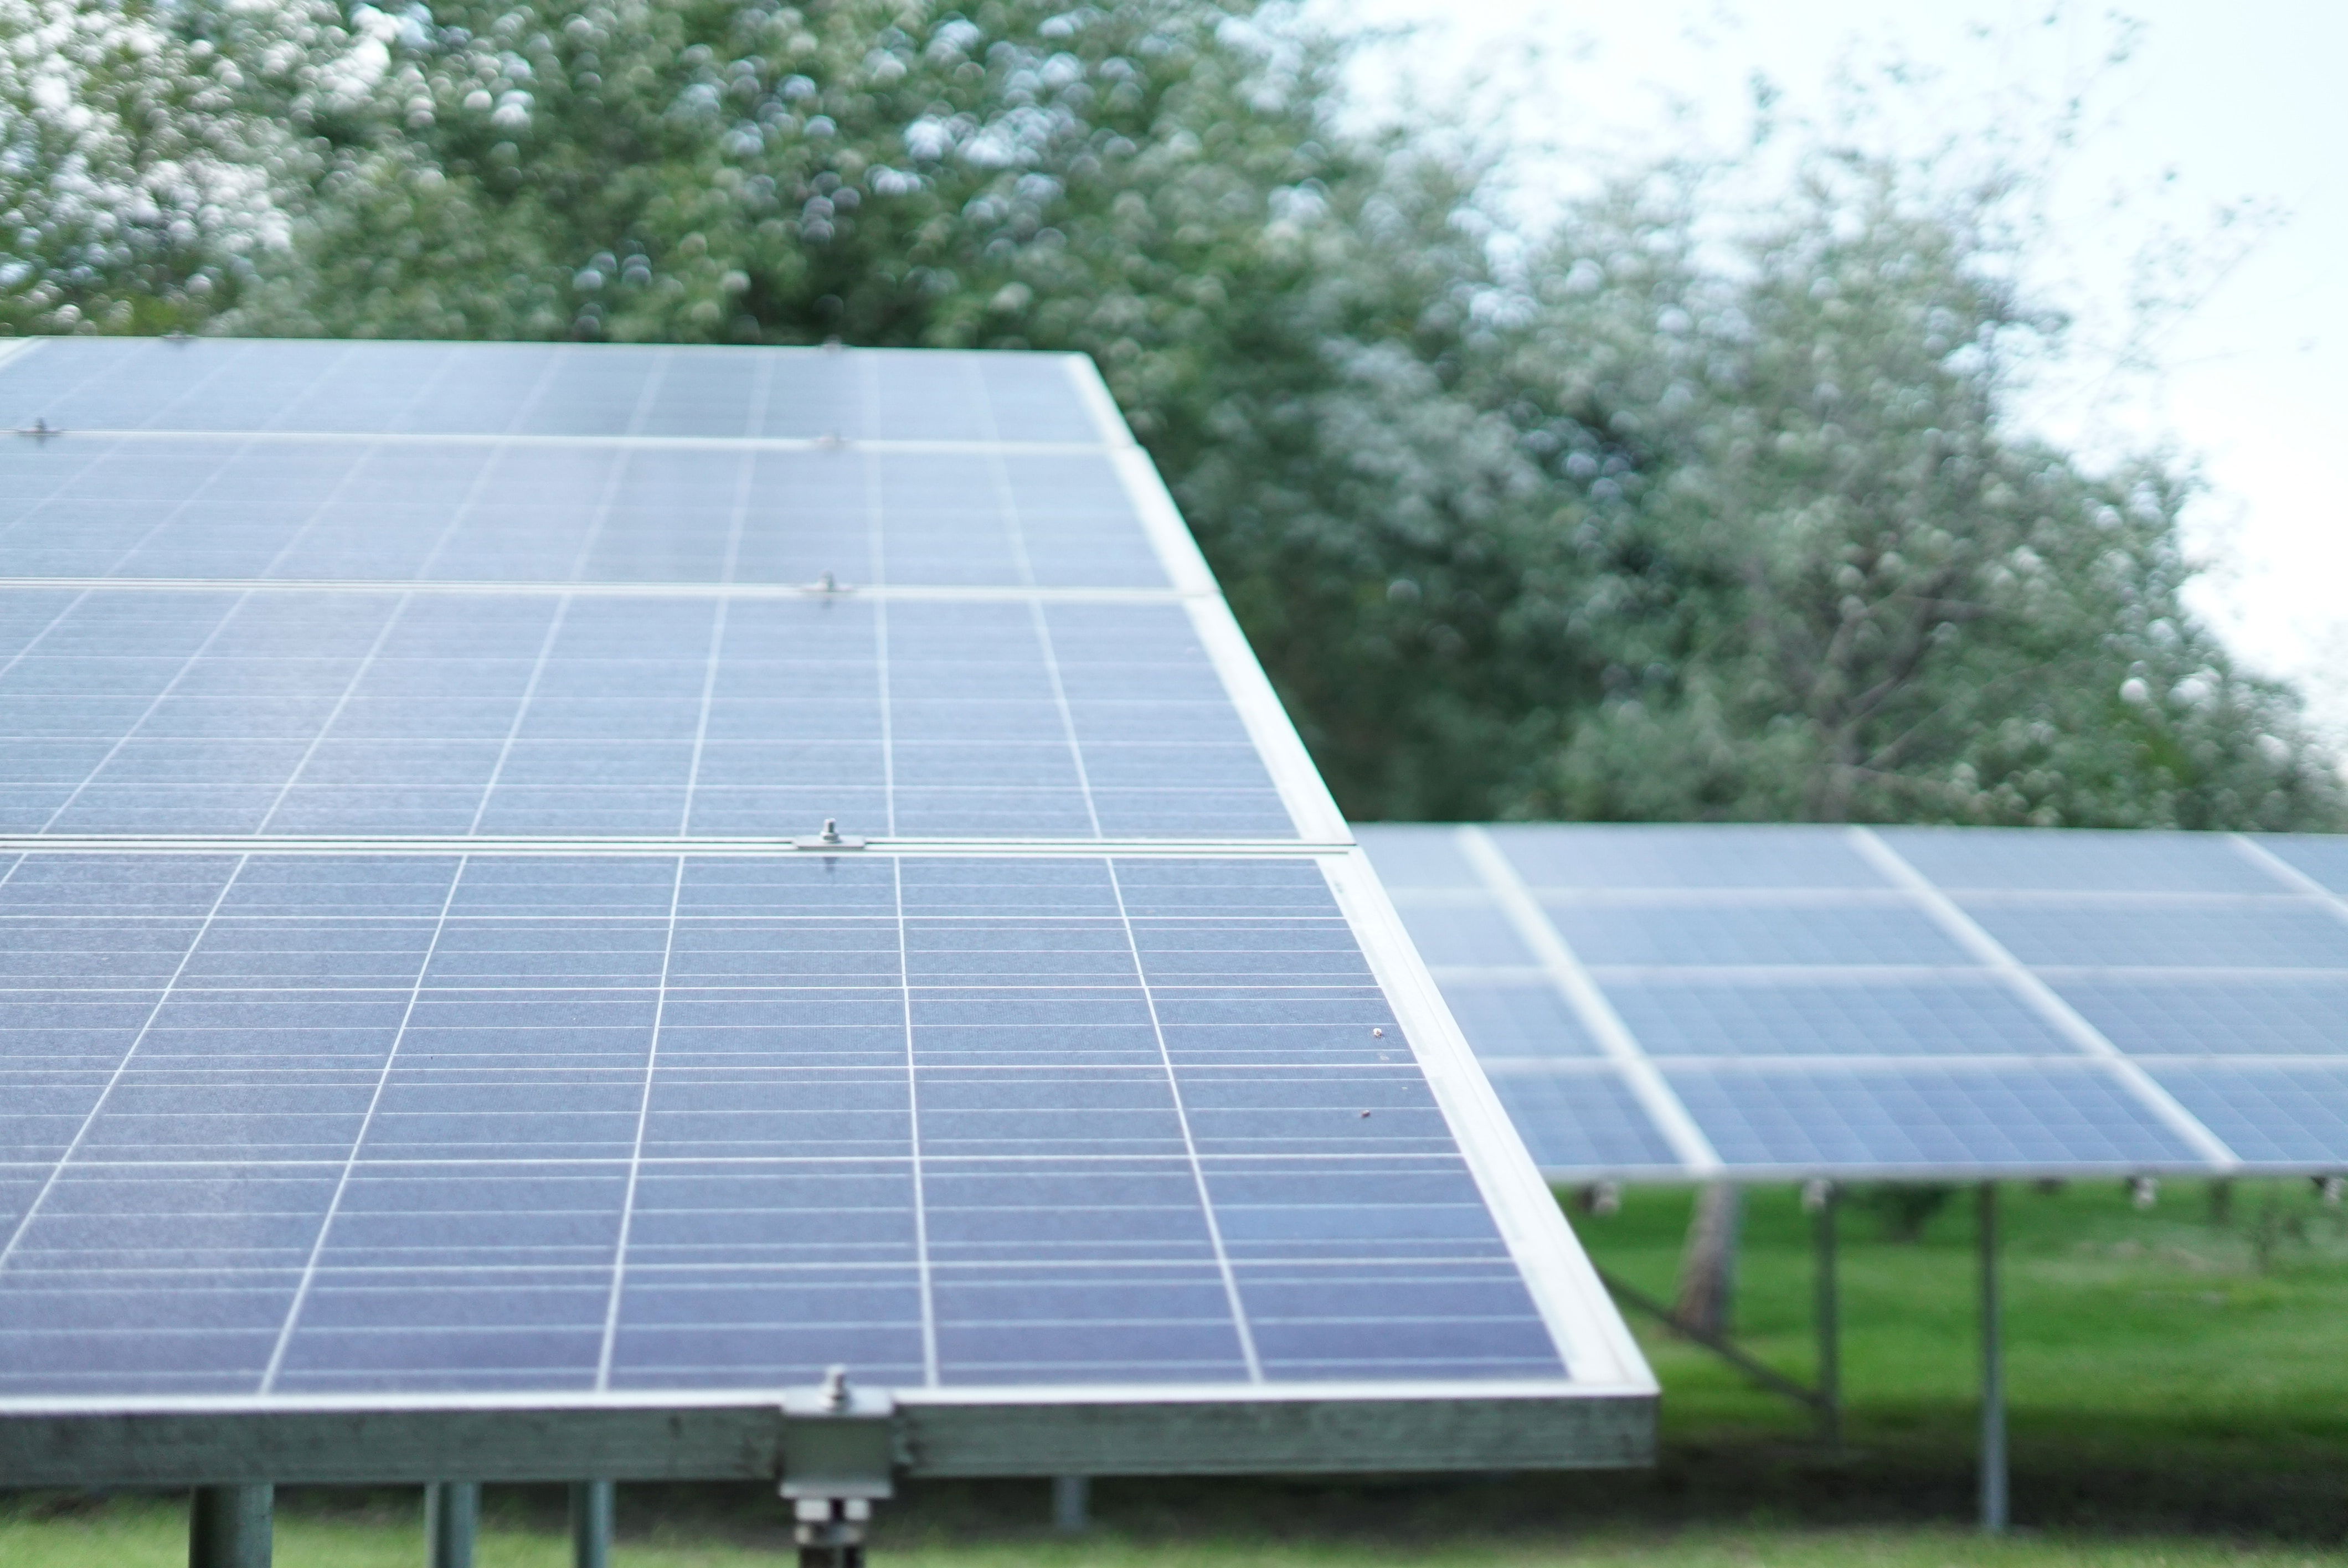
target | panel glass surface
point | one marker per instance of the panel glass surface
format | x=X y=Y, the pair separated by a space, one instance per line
x=2324 y=860
x=348 y=511
x=1924 y=1116
x=2269 y=1015
x=2186 y=952
x=542 y=389
x=2079 y=860
x=1704 y=1017
x=1510 y=1021
x=1584 y=1121
x=1465 y=932
x=1416 y=856
x=2294 y=1115
x=1621 y=856
x=347 y=712
x=1753 y=931
x=2255 y=934
x=334 y=1123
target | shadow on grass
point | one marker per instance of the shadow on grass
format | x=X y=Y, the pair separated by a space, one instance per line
x=2110 y=1482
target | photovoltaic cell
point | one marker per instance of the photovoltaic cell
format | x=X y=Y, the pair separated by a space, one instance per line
x=2323 y=859
x=430 y=1122
x=1513 y=1021
x=1417 y=857
x=1627 y=856
x=2272 y=1015
x=1924 y=1018
x=2264 y=934
x=2293 y=1115
x=301 y=711
x=2078 y=861
x=542 y=389
x=1459 y=931
x=1925 y=1116
x=1752 y=931
x=1583 y=1122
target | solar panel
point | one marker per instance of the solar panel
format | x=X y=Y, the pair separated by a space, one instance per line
x=1825 y=1001
x=430 y=1021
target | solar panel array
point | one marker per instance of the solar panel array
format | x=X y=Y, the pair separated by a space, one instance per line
x=410 y=988
x=1656 y=1002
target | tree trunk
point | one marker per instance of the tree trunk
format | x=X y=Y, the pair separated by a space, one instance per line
x=1707 y=1292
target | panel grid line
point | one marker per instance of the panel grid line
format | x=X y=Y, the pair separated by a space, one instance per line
x=1008 y=502
x=1640 y=1074
x=318 y=1243
x=1240 y=1322
x=922 y=1263
x=318 y=736
x=462 y=511
x=130 y=731
x=521 y=712
x=130 y=1051
x=636 y=1149
x=2274 y=865
x=2042 y=999
x=37 y=638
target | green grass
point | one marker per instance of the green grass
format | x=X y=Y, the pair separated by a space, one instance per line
x=2179 y=1394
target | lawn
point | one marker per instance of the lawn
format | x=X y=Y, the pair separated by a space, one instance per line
x=2179 y=1394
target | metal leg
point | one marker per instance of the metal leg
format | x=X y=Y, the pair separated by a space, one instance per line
x=452 y=1516
x=1829 y=1321
x=1072 y=1500
x=831 y=1530
x=590 y=1524
x=231 y=1526
x=1993 y=1511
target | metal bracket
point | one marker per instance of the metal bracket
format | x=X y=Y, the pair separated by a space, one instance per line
x=840 y=1441
x=840 y=1456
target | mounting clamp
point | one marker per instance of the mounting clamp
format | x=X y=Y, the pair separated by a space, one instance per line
x=840 y=1456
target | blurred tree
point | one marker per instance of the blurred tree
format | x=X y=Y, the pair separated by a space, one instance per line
x=1654 y=525
x=1830 y=581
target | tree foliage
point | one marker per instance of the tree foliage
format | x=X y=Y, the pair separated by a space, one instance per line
x=1648 y=523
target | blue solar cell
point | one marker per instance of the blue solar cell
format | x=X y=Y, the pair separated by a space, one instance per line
x=1621 y=856
x=1833 y=1017
x=2324 y=857
x=2022 y=859
x=2292 y=1115
x=1505 y=1022
x=1416 y=856
x=2264 y=934
x=1473 y=935
x=2276 y=1015
x=1585 y=1122
x=1752 y=931
x=1925 y=1117
x=380 y=1123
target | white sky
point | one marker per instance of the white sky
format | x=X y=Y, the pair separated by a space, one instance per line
x=2216 y=104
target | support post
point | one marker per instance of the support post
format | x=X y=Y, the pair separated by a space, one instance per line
x=231 y=1526
x=452 y=1517
x=1072 y=1497
x=590 y=1524
x=1994 y=1497
x=1829 y=1319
